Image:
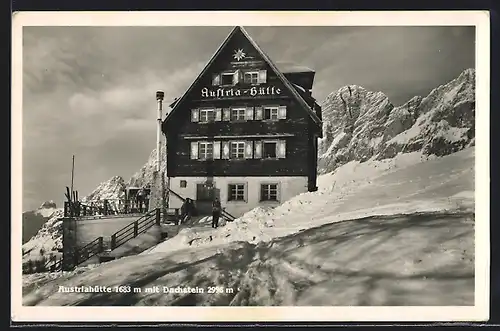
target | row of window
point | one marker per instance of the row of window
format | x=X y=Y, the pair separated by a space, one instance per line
x=237 y=192
x=261 y=149
x=235 y=77
x=236 y=114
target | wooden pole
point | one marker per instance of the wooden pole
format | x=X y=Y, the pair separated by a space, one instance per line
x=159 y=98
x=72 y=174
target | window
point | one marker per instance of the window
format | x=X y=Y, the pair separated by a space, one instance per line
x=251 y=77
x=207 y=115
x=236 y=192
x=206 y=150
x=270 y=113
x=269 y=150
x=237 y=150
x=227 y=78
x=238 y=114
x=269 y=192
x=183 y=184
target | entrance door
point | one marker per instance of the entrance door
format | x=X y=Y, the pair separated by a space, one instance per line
x=205 y=195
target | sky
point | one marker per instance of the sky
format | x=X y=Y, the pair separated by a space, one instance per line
x=90 y=91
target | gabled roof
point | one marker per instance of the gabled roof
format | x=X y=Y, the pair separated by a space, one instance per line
x=266 y=58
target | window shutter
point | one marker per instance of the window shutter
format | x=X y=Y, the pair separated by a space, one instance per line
x=218 y=114
x=225 y=150
x=282 y=112
x=262 y=76
x=258 y=149
x=237 y=77
x=226 y=114
x=194 y=150
x=259 y=112
x=281 y=149
x=217 y=146
x=248 y=150
x=216 y=80
x=249 y=114
x=195 y=115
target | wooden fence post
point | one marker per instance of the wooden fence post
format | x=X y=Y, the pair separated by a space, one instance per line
x=105 y=207
x=113 y=241
x=101 y=244
x=75 y=258
x=65 y=208
x=136 y=228
x=158 y=216
x=177 y=217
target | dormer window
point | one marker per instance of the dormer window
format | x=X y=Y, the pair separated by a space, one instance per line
x=227 y=78
x=233 y=78
x=251 y=77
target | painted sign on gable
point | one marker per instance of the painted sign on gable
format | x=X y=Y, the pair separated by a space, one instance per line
x=237 y=92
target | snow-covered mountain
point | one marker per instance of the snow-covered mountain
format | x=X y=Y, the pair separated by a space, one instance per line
x=361 y=124
x=48 y=238
x=112 y=189
x=145 y=175
x=34 y=219
x=47 y=208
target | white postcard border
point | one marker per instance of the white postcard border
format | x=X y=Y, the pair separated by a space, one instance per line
x=478 y=312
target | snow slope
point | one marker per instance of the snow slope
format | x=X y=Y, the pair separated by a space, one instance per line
x=395 y=232
x=354 y=190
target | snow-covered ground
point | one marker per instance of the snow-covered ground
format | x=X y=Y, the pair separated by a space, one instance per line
x=400 y=185
x=392 y=232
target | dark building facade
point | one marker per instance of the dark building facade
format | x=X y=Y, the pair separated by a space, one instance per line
x=246 y=131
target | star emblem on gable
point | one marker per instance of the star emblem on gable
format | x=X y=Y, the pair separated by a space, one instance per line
x=239 y=54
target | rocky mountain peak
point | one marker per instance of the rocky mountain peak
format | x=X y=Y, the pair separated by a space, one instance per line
x=359 y=124
x=145 y=175
x=48 y=205
x=112 y=189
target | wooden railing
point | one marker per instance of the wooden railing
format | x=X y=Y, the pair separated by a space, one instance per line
x=135 y=228
x=80 y=255
x=53 y=266
x=104 y=207
x=91 y=249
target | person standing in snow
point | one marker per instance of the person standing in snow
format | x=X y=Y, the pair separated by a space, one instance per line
x=216 y=211
x=140 y=199
x=146 y=199
x=187 y=210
